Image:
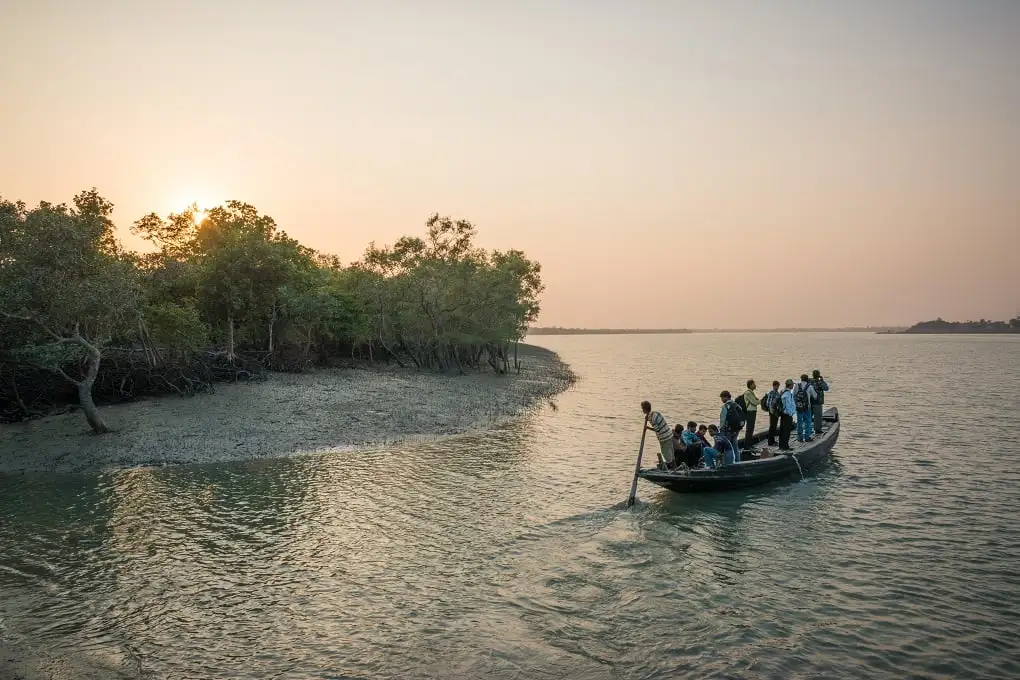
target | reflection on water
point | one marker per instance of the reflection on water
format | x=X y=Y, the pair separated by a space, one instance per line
x=509 y=553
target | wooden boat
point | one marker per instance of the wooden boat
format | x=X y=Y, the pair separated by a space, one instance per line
x=754 y=471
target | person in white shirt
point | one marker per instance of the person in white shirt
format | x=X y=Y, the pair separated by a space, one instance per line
x=656 y=422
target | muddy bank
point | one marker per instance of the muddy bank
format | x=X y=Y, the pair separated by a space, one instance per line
x=287 y=414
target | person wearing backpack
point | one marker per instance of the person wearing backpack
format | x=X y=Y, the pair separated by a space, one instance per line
x=731 y=421
x=750 y=407
x=787 y=408
x=821 y=387
x=771 y=403
x=803 y=398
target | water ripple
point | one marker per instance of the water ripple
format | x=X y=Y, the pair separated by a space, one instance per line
x=510 y=554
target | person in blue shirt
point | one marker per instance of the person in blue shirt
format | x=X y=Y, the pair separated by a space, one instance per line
x=786 y=417
x=690 y=437
x=804 y=398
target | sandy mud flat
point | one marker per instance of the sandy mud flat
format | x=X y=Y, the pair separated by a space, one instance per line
x=284 y=415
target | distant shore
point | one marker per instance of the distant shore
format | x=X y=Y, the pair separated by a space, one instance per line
x=285 y=415
x=555 y=330
x=982 y=327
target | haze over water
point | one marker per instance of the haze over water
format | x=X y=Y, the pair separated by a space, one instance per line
x=508 y=555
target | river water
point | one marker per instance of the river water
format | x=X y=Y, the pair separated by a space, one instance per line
x=509 y=555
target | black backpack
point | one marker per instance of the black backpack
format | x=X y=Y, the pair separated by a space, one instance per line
x=734 y=417
x=741 y=402
x=800 y=398
x=776 y=403
x=819 y=394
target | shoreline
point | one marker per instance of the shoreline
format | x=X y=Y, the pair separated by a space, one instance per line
x=287 y=414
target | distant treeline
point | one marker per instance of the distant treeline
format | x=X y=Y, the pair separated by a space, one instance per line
x=556 y=330
x=980 y=326
x=226 y=295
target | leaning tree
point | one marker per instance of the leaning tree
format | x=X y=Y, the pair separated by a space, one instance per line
x=63 y=274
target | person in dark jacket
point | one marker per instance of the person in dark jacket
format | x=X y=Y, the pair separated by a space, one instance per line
x=821 y=387
x=726 y=436
x=702 y=434
x=751 y=403
x=771 y=398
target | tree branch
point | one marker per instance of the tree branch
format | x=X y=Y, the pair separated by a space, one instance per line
x=60 y=371
x=35 y=320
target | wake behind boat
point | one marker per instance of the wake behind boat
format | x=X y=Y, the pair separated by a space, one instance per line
x=754 y=472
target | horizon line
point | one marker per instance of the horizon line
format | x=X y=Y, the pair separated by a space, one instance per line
x=713 y=330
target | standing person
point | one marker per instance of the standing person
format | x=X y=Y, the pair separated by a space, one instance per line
x=820 y=387
x=656 y=422
x=772 y=404
x=789 y=408
x=803 y=397
x=731 y=421
x=751 y=402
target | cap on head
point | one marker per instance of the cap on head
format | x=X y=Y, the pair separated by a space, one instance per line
x=789 y=382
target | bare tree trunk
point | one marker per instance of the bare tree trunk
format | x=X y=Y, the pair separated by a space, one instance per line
x=272 y=322
x=391 y=353
x=149 y=356
x=230 y=337
x=517 y=363
x=85 y=388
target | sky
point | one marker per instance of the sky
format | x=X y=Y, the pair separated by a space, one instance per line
x=670 y=164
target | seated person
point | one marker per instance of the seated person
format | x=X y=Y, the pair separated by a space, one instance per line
x=728 y=457
x=689 y=452
x=690 y=435
x=702 y=429
x=709 y=457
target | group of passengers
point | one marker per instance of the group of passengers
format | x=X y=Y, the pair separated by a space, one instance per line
x=691 y=447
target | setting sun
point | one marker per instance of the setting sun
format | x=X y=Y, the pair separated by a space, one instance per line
x=198 y=216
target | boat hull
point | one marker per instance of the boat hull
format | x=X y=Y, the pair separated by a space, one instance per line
x=752 y=472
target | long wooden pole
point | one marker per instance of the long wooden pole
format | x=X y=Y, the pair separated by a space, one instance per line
x=637 y=465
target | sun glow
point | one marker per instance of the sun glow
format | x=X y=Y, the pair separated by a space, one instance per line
x=198 y=216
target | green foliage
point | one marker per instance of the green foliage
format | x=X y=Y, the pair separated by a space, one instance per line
x=235 y=281
x=443 y=302
x=177 y=326
x=48 y=355
x=62 y=269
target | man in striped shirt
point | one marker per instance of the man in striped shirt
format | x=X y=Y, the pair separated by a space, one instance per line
x=656 y=422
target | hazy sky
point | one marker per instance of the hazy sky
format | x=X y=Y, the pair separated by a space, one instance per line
x=661 y=159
